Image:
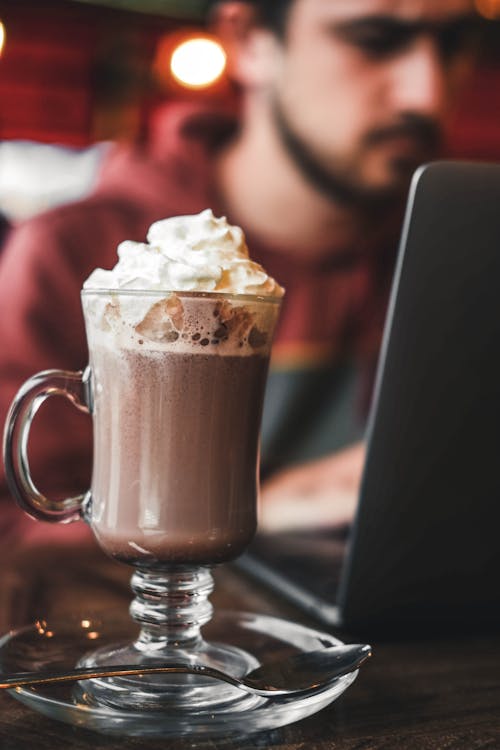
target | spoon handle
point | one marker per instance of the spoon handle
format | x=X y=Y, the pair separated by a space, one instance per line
x=23 y=679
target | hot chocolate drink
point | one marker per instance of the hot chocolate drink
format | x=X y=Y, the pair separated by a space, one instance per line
x=179 y=335
x=178 y=382
x=178 y=484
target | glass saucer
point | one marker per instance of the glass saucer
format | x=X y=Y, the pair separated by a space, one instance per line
x=60 y=644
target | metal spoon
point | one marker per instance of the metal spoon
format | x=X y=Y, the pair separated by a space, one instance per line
x=297 y=674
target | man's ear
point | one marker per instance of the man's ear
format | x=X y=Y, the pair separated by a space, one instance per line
x=250 y=47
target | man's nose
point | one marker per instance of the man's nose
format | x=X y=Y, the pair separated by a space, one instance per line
x=420 y=80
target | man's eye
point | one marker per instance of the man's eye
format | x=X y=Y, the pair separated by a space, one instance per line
x=378 y=41
x=458 y=38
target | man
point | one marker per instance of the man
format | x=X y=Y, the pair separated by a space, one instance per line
x=342 y=100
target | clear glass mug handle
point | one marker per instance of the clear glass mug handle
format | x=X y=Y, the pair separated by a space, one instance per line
x=74 y=386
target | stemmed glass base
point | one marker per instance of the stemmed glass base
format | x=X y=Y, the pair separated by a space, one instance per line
x=171 y=606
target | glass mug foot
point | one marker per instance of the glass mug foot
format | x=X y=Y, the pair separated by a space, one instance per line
x=176 y=692
x=170 y=607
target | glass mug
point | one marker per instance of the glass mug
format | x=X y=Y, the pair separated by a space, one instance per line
x=175 y=386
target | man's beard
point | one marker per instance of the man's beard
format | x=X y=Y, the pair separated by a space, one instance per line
x=341 y=187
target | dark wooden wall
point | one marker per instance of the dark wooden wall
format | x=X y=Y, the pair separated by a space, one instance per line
x=73 y=73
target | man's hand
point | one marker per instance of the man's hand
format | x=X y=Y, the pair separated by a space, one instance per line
x=319 y=493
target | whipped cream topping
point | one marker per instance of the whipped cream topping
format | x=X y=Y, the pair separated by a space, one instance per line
x=198 y=253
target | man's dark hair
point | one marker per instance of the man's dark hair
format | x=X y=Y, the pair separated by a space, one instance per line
x=271 y=13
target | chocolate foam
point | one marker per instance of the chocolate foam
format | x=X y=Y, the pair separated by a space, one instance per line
x=178 y=323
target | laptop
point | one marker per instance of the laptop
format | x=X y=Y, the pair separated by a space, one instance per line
x=424 y=547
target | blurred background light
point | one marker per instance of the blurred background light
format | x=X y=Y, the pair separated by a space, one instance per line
x=2 y=37
x=489 y=9
x=198 y=62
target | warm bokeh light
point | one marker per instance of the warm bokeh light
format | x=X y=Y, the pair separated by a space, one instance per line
x=198 y=62
x=2 y=37
x=488 y=8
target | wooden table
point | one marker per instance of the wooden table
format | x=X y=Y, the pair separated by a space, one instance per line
x=434 y=693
